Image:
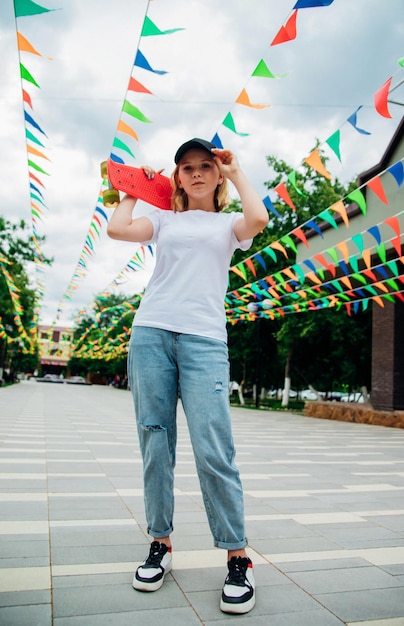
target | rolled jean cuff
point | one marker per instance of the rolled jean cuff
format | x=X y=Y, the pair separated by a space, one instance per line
x=231 y=546
x=160 y=534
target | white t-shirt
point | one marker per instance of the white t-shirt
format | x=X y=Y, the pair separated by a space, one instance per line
x=187 y=289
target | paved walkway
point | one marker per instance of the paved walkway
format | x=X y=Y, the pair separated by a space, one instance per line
x=324 y=508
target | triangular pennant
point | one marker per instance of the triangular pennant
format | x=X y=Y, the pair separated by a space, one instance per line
x=27 y=98
x=123 y=127
x=358 y=197
x=263 y=71
x=217 y=141
x=352 y=119
x=375 y=232
x=339 y=208
x=134 y=85
x=25 y=75
x=31 y=121
x=32 y=137
x=286 y=32
x=377 y=187
x=244 y=99
x=397 y=171
x=312 y=224
x=284 y=194
x=268 y=203
x=292 y=180
x=117 y=143
x=130 y=109
x=307 y=4
x=141 y=61
x=394 y=224
x=381 y=99
x=28 y=7
x=314 y=161
x=228 y=122
x=300 y=235
x=333 y=141
x=24 y=46
x=150 y=29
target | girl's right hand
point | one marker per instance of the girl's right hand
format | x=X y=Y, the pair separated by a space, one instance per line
x=149 y=171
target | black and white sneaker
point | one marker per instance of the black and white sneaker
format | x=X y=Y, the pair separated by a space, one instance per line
x=238 y=595
x=150 y=575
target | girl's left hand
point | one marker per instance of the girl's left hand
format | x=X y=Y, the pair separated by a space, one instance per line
x=226 y=161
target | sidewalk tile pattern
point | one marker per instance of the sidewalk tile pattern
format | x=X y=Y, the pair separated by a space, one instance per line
x=324 y=508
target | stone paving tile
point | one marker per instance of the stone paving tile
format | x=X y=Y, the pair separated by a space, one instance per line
x=324 y=509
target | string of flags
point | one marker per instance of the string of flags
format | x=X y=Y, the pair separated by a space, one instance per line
x=127 y=133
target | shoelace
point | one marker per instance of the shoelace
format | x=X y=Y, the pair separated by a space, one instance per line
x=156 y=554
x=237 y=571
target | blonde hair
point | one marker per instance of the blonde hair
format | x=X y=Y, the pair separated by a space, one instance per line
x=179 y=199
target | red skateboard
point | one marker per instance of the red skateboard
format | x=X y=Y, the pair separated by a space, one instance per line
x=133 y=181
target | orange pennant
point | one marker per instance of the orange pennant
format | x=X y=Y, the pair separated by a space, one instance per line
x=24 y=46
x=245 y=100
x=123 y=127
x=36 y=152
x=27 y=98
x=339 y=207
x=314 y=161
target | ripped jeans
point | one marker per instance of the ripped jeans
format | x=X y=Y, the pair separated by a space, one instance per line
x=161 y=364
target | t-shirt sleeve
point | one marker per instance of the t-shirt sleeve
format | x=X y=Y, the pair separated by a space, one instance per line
x=245 y=243
x=154 y=217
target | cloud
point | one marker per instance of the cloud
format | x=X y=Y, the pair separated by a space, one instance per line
x=341 y=56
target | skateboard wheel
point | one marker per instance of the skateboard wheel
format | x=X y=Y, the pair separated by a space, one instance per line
x=104 y=169
x=110 y=198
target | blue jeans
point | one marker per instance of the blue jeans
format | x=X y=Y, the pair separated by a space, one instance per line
x=162 y=363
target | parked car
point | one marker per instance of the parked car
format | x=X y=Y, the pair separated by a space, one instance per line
x=309 y=394
x=352 y=397
x=50 y=378
x=77 y=380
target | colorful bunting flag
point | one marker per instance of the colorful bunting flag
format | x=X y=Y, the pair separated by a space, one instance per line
x=286 y=32
x=381 y=99
x=150 y=29
x=229 y=123
x=352 y=119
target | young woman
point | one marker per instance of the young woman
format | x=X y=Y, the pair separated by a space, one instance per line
x=179 y=346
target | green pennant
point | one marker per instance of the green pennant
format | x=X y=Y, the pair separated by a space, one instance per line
x=358 y=197
x=117 y=143
x=27 y=76
x=36 y=167
x=150 y=29
x=333 y=141
x=133 y=111
x=28 y=7
x=229 y=123
x=263 y=71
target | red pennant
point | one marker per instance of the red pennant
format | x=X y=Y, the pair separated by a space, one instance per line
x=26 y=97
x=394 y=224
x=283 y=193
x=134 y=85
x=286 y=32
x=377 y=187
x=380 y=99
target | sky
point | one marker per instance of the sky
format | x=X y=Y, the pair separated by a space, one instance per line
x=341 y=56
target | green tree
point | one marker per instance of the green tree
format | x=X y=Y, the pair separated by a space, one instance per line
x=323 y=348
x=17 y=252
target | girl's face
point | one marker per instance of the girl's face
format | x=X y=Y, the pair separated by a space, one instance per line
x=198 y=174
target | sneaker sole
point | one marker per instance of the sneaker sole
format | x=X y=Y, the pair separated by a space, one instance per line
x=238 y=609
x=141 y=585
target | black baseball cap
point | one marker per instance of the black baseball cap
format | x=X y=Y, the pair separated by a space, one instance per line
x=193 y=143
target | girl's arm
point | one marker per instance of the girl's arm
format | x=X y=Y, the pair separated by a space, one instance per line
x=255 y=215
x=122 y=226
